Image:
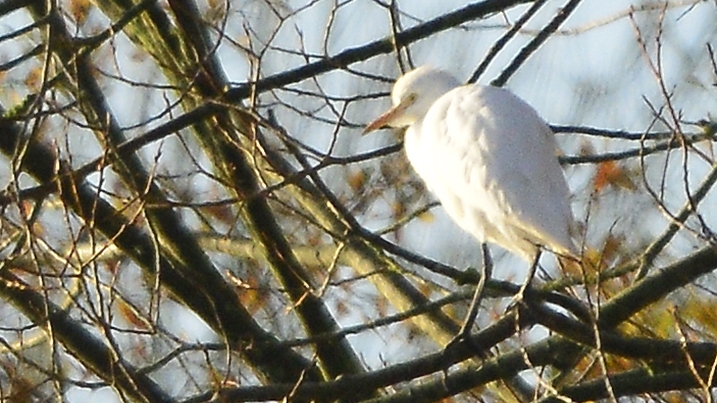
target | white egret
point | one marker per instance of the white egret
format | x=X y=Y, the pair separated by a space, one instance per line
x=490 y=160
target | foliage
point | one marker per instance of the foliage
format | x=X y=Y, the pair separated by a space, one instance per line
x=191 y=215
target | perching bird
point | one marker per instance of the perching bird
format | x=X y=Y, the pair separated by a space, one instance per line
x=491 y=162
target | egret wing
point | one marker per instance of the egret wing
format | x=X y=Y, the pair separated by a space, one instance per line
x=492 y=164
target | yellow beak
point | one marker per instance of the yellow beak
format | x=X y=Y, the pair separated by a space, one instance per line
x=389 y=116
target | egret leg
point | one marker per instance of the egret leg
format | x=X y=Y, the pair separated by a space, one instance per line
x=486 y=270
x=518 y=298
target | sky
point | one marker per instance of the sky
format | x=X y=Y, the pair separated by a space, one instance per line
x=593 y=72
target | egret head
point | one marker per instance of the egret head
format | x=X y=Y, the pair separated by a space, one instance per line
x=412 y=96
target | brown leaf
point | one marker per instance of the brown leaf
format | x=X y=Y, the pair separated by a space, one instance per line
x=79 y=10
x=357 y=181
x=33 y=79
x=609 y=173
x=131 y=316
x=249 y=292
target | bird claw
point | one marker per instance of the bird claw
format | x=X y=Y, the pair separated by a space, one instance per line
x=518 y=299
x=463 y=339
x=458 y=339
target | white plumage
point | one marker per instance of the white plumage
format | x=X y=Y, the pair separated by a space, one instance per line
x=488 y=157
x=490 y=160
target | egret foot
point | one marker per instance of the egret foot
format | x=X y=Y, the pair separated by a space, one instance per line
x=455 y=342
x=463 y=338
x=518 y=298
x=465 y=332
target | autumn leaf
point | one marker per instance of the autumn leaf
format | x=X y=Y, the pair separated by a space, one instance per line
x=427 y=216
x=131 y=315
x=399 y=209
x=222 y=212
x=249 y=292
x=609 y=173
x=33 y=78
x=357 y=181
x=80 y=10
